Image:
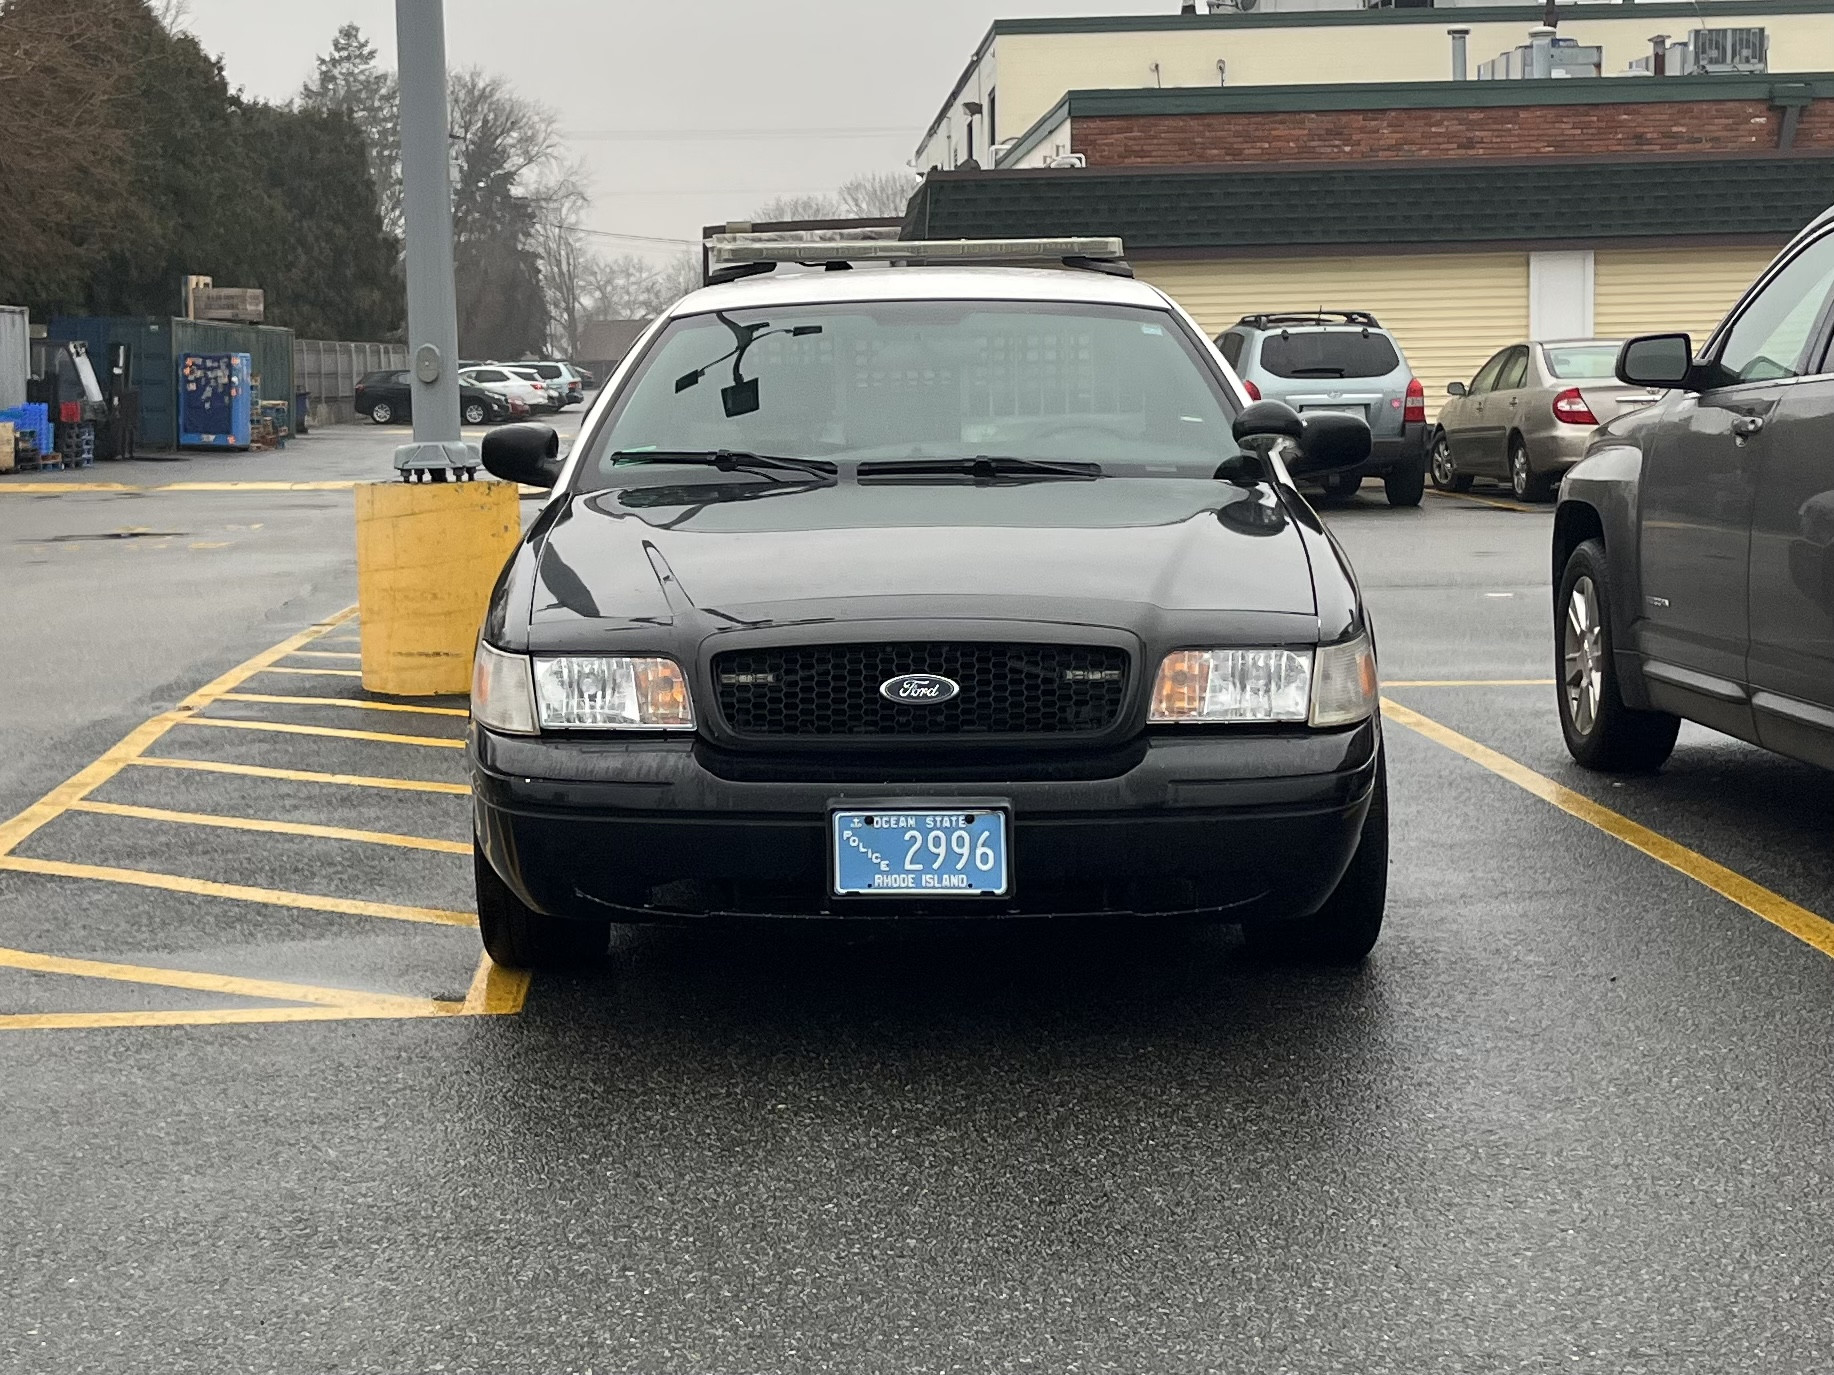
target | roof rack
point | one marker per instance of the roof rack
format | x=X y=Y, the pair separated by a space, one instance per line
x=1311 y=317
x=732 y=257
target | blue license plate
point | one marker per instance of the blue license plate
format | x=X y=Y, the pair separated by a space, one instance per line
x=923 y=852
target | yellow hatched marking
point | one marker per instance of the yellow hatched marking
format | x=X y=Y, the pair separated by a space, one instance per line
x=336 y=732
x=324 y=654
x=294 y=828
x=316 y=672
x=1490 y=501
x=1806 y=926
x=138 y=740
x=272 y=897
x=349 y=780
x=350 y=702
x=1469 y=682
x=231 y=984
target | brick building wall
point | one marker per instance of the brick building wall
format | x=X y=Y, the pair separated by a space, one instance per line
x=1693 y=126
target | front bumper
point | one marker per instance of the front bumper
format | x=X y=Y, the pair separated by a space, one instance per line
x=1248 y=826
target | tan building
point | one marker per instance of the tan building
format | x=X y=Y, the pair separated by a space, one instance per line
x=1023 y=67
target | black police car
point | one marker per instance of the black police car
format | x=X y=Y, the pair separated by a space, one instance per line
x=927 y=592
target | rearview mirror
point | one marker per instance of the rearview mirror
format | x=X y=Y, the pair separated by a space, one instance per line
x=1656 y=360
x=529 y=454
x=1455 y=389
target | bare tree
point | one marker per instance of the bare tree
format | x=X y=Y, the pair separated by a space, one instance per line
x=877 y=194
x=784 y=208
x=628 y=287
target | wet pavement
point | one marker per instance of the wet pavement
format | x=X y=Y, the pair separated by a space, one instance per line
x=267 y=1110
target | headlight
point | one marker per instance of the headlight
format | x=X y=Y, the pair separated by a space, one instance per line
x=1333 y=685
x=502 y=694
x=578 y=693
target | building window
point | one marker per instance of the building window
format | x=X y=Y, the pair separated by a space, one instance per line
x=993 y=120
x=971 y=139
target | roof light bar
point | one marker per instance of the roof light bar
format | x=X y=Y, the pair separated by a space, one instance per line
x=913 y=251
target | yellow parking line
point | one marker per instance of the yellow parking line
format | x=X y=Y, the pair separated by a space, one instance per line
x=323 y=654
x=1488 y=501
x=231 y=984
x=496 y=991
x=272 y=897
x=1806 y=926
x=138 y=740
x=336 y=732
x=349 y=780
x=50 y=489
x=329 y=485
x=293 y=828
x=351 y=702
x=315 y=672
x=224 y=1016
x=1469 y=682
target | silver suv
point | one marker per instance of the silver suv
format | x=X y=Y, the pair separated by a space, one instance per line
x=1340 y=360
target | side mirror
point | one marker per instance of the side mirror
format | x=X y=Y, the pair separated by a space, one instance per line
x=1455 y=389
x=1656 y=360
x=1331 y=443
x=1262 y=424
x=529 y=454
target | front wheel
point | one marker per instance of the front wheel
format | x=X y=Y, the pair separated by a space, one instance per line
x=517 y=937
x=1601 y=732
x=1405 y=486
x=1446 y=476
x=1524 y=481
x=1345 y=929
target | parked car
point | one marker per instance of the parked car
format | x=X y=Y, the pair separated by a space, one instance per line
x=554 y=393
x=386 y=397
x=564 y=375
x=1693 y=549
x=499 y=378
x=1340 y=360
x=838 y=638
x=1528 y=415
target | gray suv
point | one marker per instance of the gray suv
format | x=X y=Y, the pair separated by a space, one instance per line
x=1693 y=556
x=1340 y=360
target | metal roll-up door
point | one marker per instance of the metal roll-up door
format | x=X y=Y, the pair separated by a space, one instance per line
x=1448 y=311
x=1657 y=290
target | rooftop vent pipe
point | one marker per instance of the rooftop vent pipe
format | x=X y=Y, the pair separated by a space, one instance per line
x=1658 y=54
x=1458 y=52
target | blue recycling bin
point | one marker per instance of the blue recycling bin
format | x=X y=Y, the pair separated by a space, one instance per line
x=215 y=400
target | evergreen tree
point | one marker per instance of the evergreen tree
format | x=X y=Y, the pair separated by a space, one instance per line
x=349 y=80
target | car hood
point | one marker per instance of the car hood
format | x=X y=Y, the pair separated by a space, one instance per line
x=751 y=552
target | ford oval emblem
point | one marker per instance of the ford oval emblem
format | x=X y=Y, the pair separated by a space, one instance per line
x=919 y=689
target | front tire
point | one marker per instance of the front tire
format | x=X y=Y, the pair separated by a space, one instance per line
x=1346 y=928
x=1446 y=476
x=382 y=413
x=517 y=937
x=1405 y=486
x=1601 y=732
x=1524 y=481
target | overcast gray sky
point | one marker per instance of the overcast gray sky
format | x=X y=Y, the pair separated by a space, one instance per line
x=637 y=81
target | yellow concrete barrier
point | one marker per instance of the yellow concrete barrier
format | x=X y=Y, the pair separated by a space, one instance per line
x=428 y=554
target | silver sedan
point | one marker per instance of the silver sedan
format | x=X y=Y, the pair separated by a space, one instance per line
x=1528 y=414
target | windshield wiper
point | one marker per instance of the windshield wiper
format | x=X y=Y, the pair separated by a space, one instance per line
x=727 y=460
x=983 y=467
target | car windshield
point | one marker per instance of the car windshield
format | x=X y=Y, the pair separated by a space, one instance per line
x=1582 y=362
x=883 y=381
x=1328 y=353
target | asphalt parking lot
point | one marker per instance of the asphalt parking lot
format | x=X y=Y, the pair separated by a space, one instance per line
x=266 y=1109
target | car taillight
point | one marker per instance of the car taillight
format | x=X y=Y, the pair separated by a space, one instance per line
x=1254 y=392
x=1571 y=407
x=1413 y=409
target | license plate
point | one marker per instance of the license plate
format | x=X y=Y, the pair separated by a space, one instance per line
x=1360 y=412
x=921 y=851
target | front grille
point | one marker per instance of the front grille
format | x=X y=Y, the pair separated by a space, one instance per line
x=1006 y=689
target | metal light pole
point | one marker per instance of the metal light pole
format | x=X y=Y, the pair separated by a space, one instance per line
x=426 y=195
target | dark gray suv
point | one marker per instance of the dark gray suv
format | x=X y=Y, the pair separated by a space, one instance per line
x=1694 y=545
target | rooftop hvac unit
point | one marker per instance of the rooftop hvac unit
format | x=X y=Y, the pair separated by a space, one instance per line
x=1729 y=50
x=1067 y=160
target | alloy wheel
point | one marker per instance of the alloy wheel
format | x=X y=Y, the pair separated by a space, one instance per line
x=474 y=414
x=382 y=413
x=1444 y=474
x=1582 y=656
x=1521 y=478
